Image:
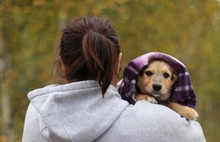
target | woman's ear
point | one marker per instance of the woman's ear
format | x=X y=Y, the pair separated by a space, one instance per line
x=62 y=64
x=118 y=67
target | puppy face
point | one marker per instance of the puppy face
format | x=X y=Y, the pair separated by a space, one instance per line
x=157 y=80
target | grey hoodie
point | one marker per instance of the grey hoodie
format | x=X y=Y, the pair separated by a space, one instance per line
x=77 y=112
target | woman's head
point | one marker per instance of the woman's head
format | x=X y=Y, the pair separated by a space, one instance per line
x=89 y=50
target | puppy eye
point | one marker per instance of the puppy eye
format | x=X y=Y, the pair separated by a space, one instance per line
x=166 y=75
x=149 y=73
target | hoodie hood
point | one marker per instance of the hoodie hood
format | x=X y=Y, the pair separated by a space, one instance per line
x=183 y=92
x=71 y=112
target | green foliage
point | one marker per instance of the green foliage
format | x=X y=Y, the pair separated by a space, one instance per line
x=188 y=30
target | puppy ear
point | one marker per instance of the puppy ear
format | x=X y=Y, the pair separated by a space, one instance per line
x=174 y=77
x=142 y=70
x=137 y=86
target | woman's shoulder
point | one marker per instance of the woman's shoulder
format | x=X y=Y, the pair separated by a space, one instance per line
x=146 y=112
x=154 y=122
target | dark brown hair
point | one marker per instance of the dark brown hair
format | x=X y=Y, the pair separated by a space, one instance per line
x=89 y=49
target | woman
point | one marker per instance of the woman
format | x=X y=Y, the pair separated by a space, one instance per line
x=88 y=106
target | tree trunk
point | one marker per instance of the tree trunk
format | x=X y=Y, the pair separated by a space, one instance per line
x=5 y=92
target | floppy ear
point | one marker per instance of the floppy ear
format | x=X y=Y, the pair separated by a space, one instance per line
x=174 y=77
x=137 y=85
x=142 y=70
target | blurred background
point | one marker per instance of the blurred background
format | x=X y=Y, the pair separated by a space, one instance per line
x=30 y=30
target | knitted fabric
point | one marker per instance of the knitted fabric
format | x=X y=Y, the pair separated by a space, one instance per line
x=183 y=92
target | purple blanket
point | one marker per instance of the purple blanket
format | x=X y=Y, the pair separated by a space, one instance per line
x=183 y=92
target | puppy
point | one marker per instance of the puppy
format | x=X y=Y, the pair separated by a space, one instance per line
x=155 y=83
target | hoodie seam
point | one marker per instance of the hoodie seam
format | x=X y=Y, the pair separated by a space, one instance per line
x=63 y=122
x=30 y=96
x=33 y=95
x=125 y=105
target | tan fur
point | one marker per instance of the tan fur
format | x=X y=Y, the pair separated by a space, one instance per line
x=155 y=84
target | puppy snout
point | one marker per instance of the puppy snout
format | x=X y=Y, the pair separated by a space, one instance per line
x=157 y=87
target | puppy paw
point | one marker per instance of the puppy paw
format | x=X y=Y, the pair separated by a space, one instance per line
x=152 y=100
x=188 y=113
x=185 y=111
x=147 y=98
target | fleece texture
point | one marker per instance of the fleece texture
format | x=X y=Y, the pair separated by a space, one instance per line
x=77 y=112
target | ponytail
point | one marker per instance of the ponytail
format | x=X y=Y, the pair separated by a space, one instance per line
x=89 y=49
x=100 y=57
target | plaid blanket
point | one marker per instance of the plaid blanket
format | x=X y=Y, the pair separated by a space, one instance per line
x=183 y=92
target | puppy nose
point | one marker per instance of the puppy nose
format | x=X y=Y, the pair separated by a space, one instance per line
x=157 y=87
